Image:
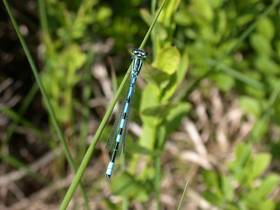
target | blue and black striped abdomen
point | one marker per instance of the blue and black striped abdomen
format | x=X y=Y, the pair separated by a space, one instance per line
x=118 y=138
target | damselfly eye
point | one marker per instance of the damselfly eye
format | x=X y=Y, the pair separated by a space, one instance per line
x=139 y=53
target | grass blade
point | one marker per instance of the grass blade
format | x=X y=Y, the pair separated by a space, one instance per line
x=45 y=97
x=183 y=195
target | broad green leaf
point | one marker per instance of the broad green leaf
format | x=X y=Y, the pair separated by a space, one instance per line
x=133 y=147
x=127 y=185
x=182 y=17
x=103 y=13
x=250 y=105
x=260 y=128
x=267 y=65
x=261 y=44
x=210 y=179
x=212 y=197
x=167 y=60
x=270 y=183
x=178 y=77
x=150 y=98
x=265 y=27
x=183 y=66
x=277 y=45
x=148 y=136
x=227 y=188
x=267 y=185
x=146 y=16
x=259 y=165
x=266 y=204
x=203 y=9
x=215 y=3
x=244 y=19
x=161 y=32
x=223 y=81
x=168 y=12
x=155 y=75
x=221 y=25
x=175 y=115
x=242 y=157
x=158 y=110
x=259 y=204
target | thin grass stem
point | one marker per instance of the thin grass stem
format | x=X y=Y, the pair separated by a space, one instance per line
x=183 y=195
x=45 y=97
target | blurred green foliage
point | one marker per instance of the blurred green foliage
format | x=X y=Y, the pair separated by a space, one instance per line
x=208 y=38
x=242 y=186
x=235 y=45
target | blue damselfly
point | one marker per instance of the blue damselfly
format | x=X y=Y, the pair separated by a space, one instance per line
x=118 y=138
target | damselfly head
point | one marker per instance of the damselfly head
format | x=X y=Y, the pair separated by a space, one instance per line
x=139 y=53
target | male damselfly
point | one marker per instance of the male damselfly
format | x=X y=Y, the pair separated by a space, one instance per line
x=118 y=139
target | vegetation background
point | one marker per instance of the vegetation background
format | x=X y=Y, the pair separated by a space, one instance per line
x=204 y=131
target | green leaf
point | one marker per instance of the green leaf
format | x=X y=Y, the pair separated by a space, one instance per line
x=203 y=9
x=215 y=3
x=259 y=165
x=148 y=136
x=169 y=11
x=227 y=188
x=266 y=204
x=103 y=13
x=261 y=44
x=265 y=27
x=260 y=129
x=134 y=148
x=146 y=16
x=158 y=110
x=177 y=78
x=277 y=45
x=183 y=66
x=154 y=75
x=266 y=187
x=223 y=81
x=212 y=197
x=175 y=115
x=126 y=185
x=267 y=65
x=242 y=158
x=210 y=179
x=250 y=105
x=167 y=60
x=150 y=98
x=182 y=17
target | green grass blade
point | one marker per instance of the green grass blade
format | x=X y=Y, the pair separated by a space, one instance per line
x=236 y=74
x=68 y=196
x=43 y=92
x=26 y=102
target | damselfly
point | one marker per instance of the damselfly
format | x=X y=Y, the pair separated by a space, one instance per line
x=118 y=139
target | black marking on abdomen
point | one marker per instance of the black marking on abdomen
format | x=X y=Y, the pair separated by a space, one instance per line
x=121 y=130
x=114 y=155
